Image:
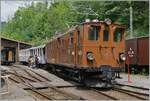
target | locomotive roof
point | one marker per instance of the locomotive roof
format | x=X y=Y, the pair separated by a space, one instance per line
x=103 y=22
x=70 y=30
x=74 y=27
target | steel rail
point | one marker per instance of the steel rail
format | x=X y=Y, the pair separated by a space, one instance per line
x=117 y=89
x=32 y=75
x=129 y=93
x=22 y=77
x=13 y=79
x=111 y=97
x=66 y=94
x=40 y=75
x=133 y=86
x=19 y=76
x=33 y=88
x=35 y=73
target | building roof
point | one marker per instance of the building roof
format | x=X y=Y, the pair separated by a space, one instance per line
x=16 y=41
x=140 y=37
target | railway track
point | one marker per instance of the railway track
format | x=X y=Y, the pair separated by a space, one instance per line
x=120 y=94
x=132 y=93
x=140 y=96
x=139 y=92
x=128 y=93
x=47 y=93
x=54 y=93
x=142 y=88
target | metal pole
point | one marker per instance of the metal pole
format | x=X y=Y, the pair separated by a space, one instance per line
x=131 y=22
x=131 y=36
x=17 y=51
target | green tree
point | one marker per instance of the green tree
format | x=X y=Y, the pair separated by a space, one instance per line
x=38 y=23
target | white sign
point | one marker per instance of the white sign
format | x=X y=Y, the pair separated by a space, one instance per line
x=131 y=53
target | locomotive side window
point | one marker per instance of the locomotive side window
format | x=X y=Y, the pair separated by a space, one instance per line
x=79 y=38
x=93 y=33
x=106 y=34
x=118 y=35
x=71 y=38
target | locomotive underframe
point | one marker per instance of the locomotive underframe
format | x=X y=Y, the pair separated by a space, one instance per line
x=92 y=76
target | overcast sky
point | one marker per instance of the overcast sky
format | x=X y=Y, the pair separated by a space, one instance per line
x=8 y=7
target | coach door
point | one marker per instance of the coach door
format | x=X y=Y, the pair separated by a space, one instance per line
x=10 y=56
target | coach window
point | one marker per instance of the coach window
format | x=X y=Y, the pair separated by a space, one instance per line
x=93 y=33
x=43 y=51
x=31 y=52
x=106 y=34
x=34 y=51
x=118 y=34
x=37 y=52
x=40 y=51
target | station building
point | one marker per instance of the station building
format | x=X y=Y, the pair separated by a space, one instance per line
x=10 y=50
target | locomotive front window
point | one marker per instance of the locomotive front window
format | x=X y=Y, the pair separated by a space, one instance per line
x=93 y=33
x=106 y=34
x=118 y=34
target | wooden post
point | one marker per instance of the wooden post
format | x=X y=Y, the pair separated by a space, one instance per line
x=17 y=52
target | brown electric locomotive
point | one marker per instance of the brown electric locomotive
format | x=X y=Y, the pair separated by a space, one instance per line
x=90 y=52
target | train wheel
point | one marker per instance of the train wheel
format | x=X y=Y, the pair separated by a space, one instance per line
x=53 y=69
x=80 y=78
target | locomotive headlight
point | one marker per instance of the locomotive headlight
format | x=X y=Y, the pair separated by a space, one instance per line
x=122 y=57
x=90 y=56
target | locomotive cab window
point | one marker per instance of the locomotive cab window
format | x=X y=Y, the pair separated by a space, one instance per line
x=106 y=34
x=93 y=33
x=118 y=34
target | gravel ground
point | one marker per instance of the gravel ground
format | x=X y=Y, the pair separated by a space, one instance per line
x=16 y=93
x=136 y=80
x=86 y=94
x=19 y=94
